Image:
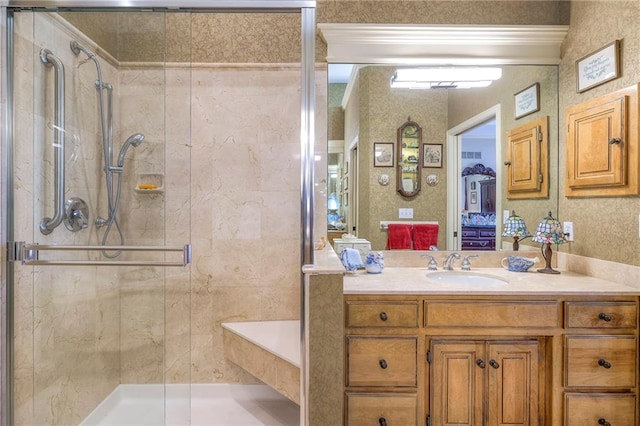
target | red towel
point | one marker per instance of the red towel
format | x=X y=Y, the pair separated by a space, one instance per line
x=399 y=236
x=424 y=236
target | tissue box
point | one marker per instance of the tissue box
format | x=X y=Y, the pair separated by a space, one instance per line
x=360 y=244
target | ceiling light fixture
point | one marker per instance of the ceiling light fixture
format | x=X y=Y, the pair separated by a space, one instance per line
x=445 y=78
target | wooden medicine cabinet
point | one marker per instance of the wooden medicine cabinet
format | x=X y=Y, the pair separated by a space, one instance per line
x=528 y=160
x=602 y=146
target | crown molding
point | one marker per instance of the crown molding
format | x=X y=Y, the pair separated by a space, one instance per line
x=443 y=44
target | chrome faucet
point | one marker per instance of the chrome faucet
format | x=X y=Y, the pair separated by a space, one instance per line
x=433 y=265
x=449 y=261
x=466 y=265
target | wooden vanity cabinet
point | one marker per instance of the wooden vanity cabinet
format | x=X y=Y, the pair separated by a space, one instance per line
x=491 y=360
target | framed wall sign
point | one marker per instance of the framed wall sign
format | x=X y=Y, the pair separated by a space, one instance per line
x=527 y=101
x=383 y=154
x=598 y=67
x=432 y=155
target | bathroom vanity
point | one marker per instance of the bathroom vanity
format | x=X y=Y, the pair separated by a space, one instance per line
x=527 y=349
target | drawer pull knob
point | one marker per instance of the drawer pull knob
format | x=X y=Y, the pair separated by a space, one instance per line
x=604 y=363
x=383 y=364
x=603 y=422
x=613 y=141
x=481 y=363
x=382 y=421
x=604 y=317
x=494 y=363
x=383 y=316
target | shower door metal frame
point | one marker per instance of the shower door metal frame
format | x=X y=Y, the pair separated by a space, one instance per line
x=306 y=8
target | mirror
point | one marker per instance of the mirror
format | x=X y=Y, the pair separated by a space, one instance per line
x=409 y=171
x=372 y=112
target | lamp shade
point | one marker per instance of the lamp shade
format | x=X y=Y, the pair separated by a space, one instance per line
x=549 y=231
x=514 y=226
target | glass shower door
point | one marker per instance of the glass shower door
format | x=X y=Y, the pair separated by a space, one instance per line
x=93 y=300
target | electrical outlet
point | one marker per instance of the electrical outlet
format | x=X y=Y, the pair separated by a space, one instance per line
x=567 y=228
x=505 y=215
x=405 y=213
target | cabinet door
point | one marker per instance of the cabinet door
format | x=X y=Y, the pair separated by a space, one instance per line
x=513 y=383
x=527 y=161
x=602 y=146
x=457 y=373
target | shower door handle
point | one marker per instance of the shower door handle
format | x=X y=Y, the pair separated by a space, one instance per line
x=47 y=225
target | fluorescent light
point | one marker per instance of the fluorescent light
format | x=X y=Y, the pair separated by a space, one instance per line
x=445 y=78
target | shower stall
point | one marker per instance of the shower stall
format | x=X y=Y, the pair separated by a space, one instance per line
x=148 y=191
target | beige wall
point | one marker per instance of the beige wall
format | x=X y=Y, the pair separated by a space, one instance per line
x=464 y=104
x=382 y=111
x=605 y=228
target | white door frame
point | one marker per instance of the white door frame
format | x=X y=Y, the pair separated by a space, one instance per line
x=454 y=161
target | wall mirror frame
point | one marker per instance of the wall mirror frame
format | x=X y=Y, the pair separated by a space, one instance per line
x=408 y=167
x=438 y=45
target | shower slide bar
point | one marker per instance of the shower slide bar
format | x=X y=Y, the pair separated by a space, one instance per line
x=47 y=225
x=28 y=254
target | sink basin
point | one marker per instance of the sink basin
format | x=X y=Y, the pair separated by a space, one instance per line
x=466 y=278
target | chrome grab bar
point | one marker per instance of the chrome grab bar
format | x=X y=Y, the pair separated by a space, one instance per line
x=47 y=225
x=29 y=255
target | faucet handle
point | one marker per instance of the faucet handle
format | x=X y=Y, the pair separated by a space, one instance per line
x=433 y=265
x=466 y=265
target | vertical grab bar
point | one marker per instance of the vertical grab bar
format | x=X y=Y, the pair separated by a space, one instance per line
x=47 y=225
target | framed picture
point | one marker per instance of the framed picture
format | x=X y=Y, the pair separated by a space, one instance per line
x=474 y=197
x=527 y=101
x=598 y=67
x=432 y=155
x=383 y=154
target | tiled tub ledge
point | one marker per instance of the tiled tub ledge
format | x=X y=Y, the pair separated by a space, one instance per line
x=268 y=350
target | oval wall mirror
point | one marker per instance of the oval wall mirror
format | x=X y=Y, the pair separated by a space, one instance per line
x=408 y=170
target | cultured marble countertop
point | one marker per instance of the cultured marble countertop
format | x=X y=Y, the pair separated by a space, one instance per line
x=414 y=280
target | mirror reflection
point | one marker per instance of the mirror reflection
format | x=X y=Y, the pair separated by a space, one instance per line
x=463 y=191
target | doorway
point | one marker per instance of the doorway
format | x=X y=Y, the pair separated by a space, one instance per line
x=473 y=155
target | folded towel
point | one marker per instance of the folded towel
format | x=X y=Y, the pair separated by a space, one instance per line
x=424 y=236
x=399 y=236
x=351 y=259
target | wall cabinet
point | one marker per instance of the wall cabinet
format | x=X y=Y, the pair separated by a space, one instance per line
x=528 y=160
x=602 y=156
x=500 y=360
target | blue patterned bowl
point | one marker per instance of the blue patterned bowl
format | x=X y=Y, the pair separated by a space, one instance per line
x=517 y=263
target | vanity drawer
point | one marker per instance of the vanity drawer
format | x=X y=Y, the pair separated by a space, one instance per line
x=588 y=409
x=382 y=361
x=383 y=314
x=601 y=315
x=543 y=314
x=601 y=361
x=378 y=409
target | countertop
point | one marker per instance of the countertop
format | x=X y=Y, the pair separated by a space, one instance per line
x=414 y=280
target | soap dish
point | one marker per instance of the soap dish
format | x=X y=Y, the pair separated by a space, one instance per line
x=150 y=183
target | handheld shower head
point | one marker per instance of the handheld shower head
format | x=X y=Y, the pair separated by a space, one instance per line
x=133 y=140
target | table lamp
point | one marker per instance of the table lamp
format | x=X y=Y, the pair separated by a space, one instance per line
x=515 y=227
x=549 y=232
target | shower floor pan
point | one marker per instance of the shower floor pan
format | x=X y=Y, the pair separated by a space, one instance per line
x=206 y=405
